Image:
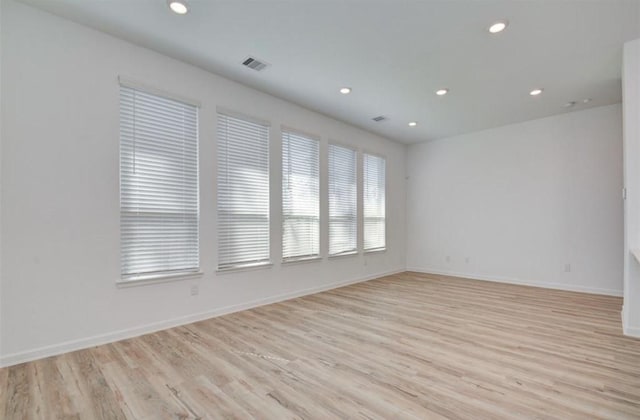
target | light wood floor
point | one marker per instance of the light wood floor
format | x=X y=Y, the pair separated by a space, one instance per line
x=404 y=346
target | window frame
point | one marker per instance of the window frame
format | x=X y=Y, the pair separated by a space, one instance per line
x=141 y=278
x=357 y=153
x=248 y=265
x=386 y=203
x=310 y=257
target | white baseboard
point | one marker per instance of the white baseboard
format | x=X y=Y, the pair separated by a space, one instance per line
x=83 y=343
x=631 y=331
x=626 y=329
x=499 y=279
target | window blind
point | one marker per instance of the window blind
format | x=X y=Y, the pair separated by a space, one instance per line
x=243 y=192
x=343 y=223
x=300 y=196
x=374 y=202
x=158 y=185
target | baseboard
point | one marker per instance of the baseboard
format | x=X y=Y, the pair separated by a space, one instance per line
x=626 y=329
x=500 y=279
x=83 y=343
x=631 y=331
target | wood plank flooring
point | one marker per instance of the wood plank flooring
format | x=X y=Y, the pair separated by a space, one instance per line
x=407 y=346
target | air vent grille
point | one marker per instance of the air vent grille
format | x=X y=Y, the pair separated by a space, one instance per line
x=379 y=118
x=254 y=64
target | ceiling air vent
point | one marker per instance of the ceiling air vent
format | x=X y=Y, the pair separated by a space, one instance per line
x=254 y=63
x=379 y=118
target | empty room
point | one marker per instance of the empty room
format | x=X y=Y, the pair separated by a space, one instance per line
x=319 y=209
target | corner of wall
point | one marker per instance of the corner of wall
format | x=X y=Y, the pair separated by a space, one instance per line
x=631 y=127
x=1 y=117
x=406 y=205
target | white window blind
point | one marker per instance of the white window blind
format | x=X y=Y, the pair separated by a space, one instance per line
x=243 y=192
x=374 y=202
x=343 y=222
x=300 y=196
x=158 y=185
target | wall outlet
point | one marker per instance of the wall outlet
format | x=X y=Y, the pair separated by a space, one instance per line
x=567 y=268
x=195 y=290
x=448 y=258
x=466 y=260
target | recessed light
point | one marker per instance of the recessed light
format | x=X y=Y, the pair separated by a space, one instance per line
x=586 y=101
x=413 y=124
x=536 y=92
x=178 y=6
x=569 y=104
x=498 y=26
x=345 y=90
x=441 y=92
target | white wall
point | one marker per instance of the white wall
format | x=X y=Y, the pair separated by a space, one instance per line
x=631 y=101
x=521 y=202
x=1 y=38
x=60 y=224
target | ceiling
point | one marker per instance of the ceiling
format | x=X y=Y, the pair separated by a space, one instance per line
x=394 y=54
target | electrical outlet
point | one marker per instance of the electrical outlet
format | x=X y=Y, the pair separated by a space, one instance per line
x=567 y=268
x=448 y=258
x=195 y=290
x=466 y=260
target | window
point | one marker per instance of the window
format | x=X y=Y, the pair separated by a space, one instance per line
x=243 y=192
x=300 y=196
x=374 y=203
x=158 y=185
x=343 y=222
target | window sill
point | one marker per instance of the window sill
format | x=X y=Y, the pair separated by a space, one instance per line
x=244 y=267
x=157 y=278
x=345 y=254
x=302 y=260
x=375 y=250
